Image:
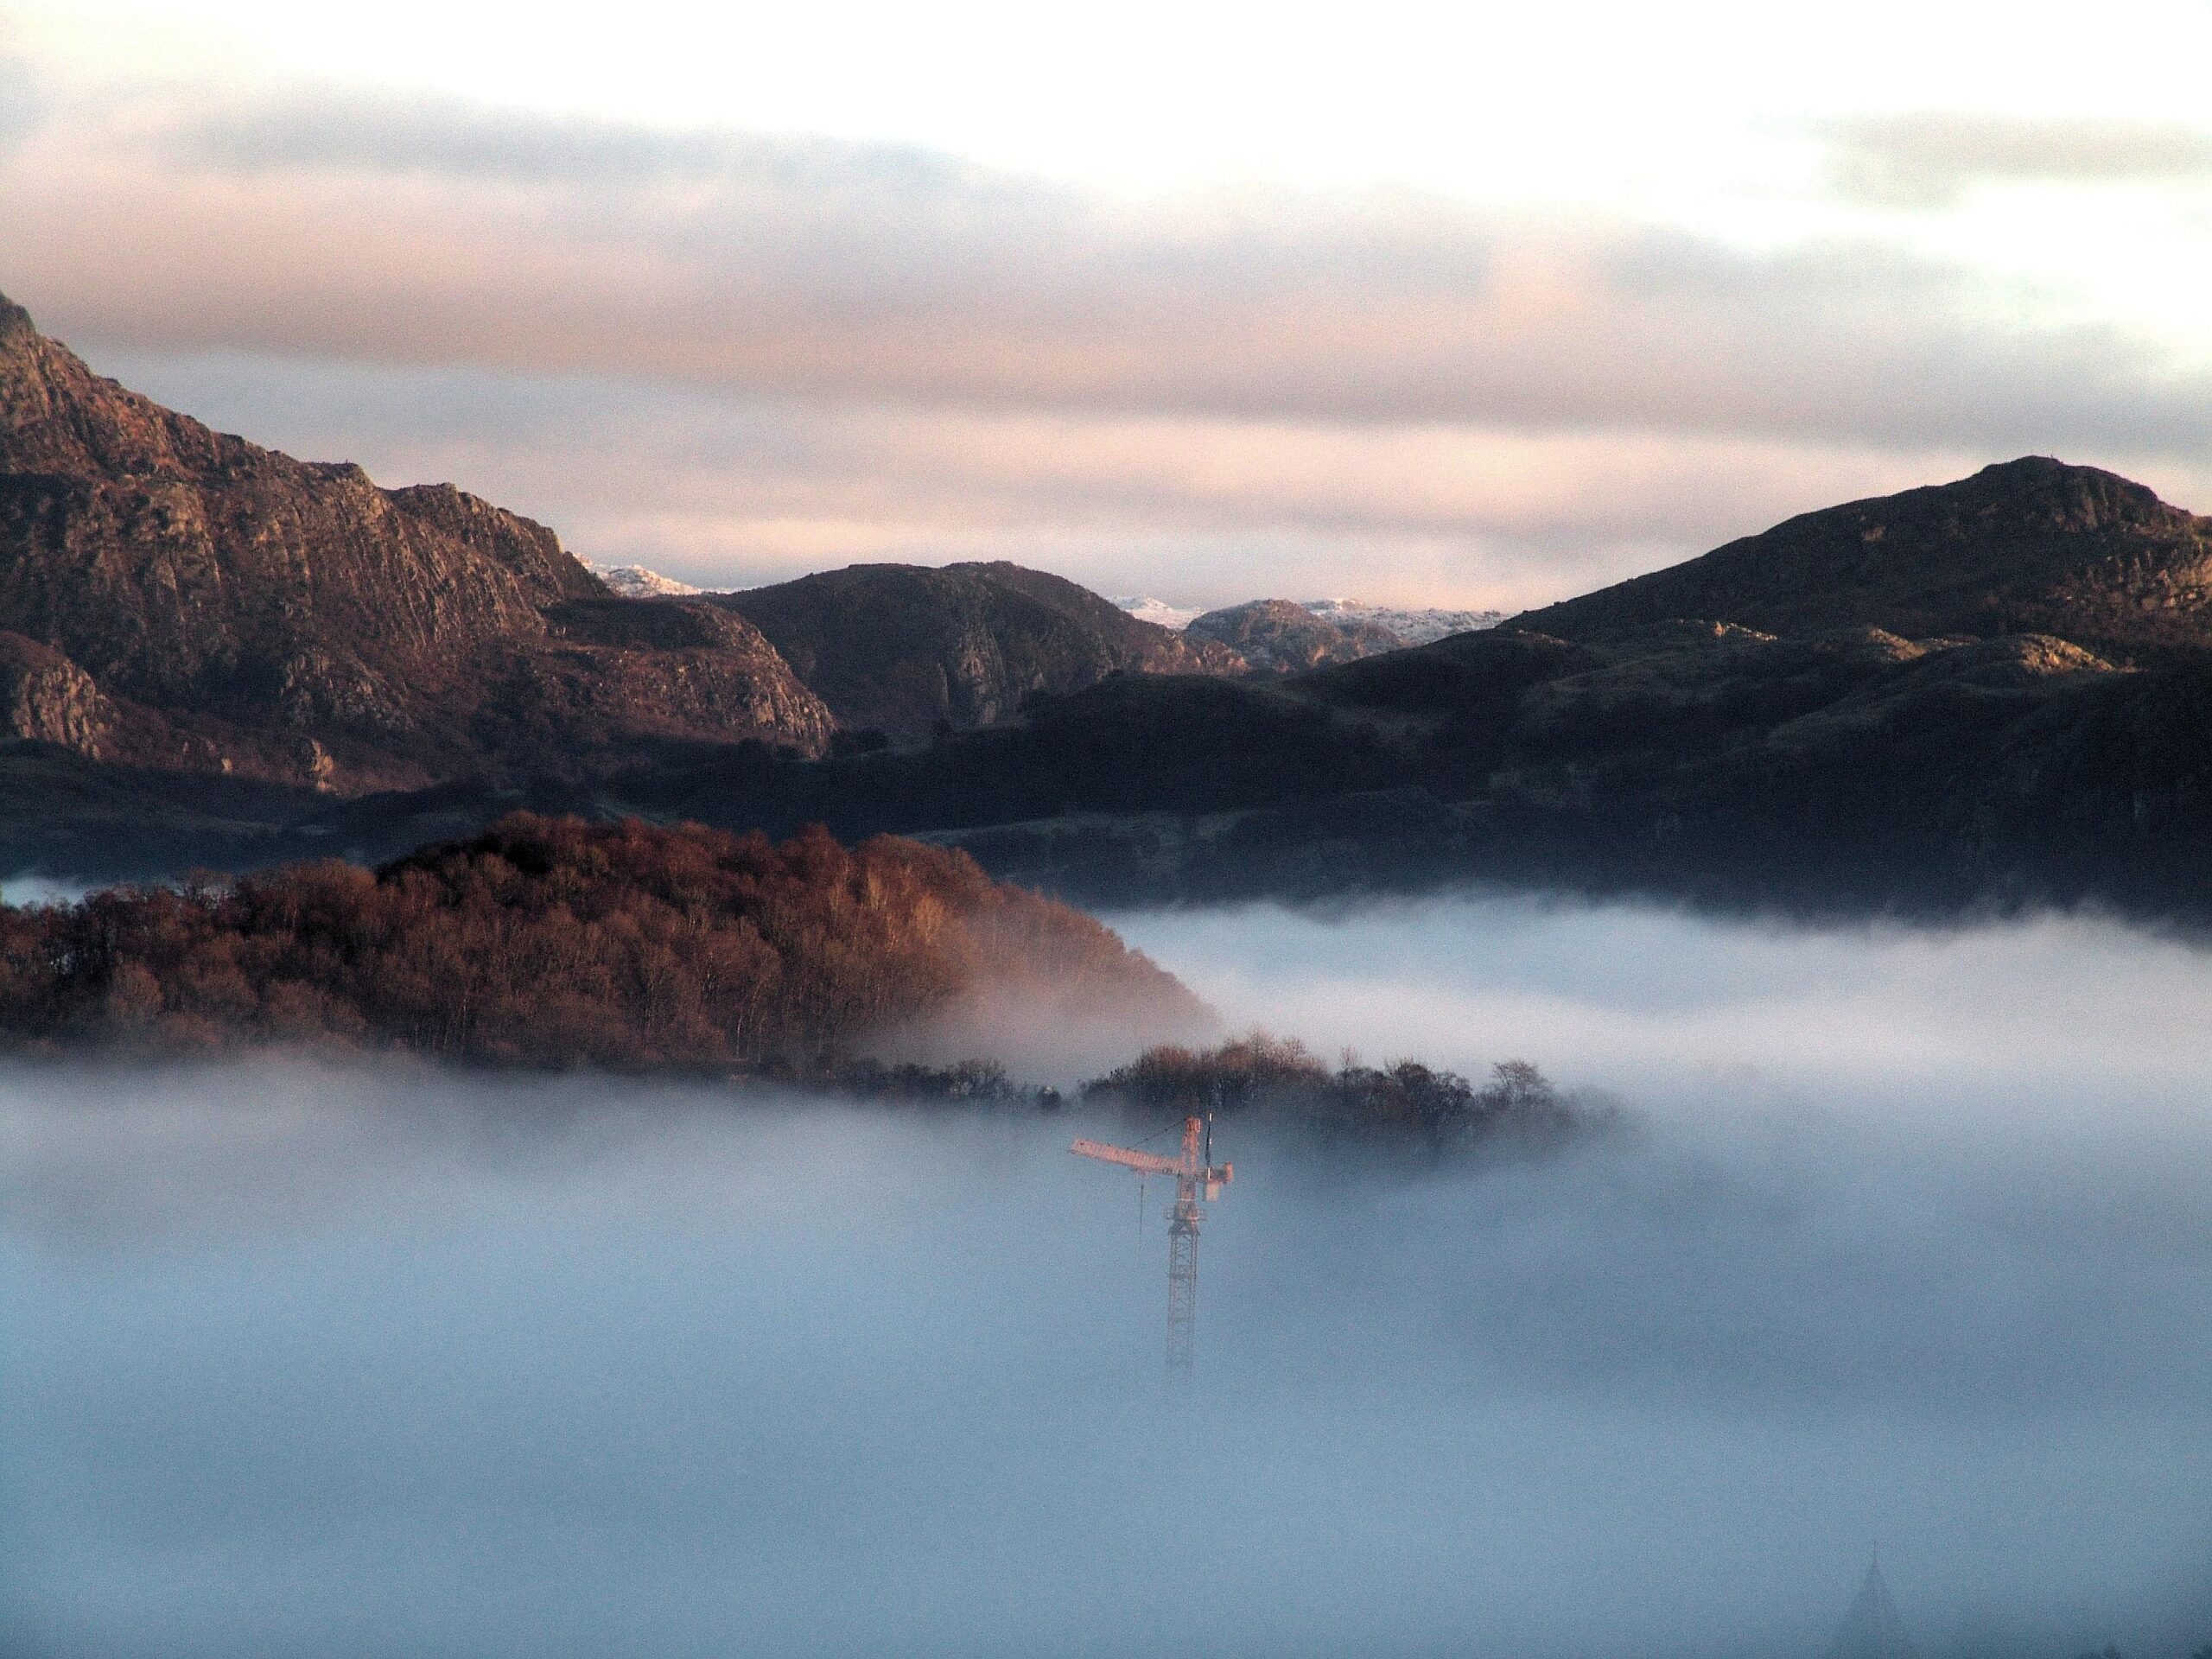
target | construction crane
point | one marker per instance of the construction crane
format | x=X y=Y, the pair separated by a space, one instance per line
x=1196 y=1176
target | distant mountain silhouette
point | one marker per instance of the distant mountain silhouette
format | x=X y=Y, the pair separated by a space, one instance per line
x=2029 y=546
x=900 y=648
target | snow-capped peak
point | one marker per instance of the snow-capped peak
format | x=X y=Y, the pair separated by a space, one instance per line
x=1414 y=626
x=1160 y=612
x=635 y=582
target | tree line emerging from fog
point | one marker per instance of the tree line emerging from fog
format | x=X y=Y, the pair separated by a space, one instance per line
x=1404 y=1103
x=557 y=944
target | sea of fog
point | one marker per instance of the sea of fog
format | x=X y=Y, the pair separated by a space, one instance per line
x=1910 y=1239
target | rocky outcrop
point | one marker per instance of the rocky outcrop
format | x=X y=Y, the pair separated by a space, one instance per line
x=2029 y=546
x=1276 y=636
x=908 y=650
x=323 y=629
x=48 y=699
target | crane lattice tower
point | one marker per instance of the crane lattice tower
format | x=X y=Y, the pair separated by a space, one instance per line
x=1198 y=1179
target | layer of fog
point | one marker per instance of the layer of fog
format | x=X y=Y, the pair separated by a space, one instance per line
x=2067 y=1023
x=1912 y=1242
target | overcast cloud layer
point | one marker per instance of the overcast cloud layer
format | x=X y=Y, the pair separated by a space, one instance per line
x=771 y=351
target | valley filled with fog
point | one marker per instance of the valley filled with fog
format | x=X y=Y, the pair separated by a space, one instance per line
x=1907 y=1236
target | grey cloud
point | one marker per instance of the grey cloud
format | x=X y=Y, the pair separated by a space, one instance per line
x=731 y=491
x=458 y=139
x=1934 y=158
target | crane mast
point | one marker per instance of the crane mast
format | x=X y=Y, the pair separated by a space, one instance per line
x=1198 y=1178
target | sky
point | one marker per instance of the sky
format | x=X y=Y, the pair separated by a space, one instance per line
x=1472 y=305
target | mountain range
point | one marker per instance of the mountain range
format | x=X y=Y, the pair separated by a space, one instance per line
x=1274 y=636
x=178 y=598
x=1866 y=749
x=1993 y=690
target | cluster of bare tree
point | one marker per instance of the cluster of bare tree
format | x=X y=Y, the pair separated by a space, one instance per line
x=1404 y=1102
x=553 y=942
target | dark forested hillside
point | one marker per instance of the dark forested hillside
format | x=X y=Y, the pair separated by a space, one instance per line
x=556 y=942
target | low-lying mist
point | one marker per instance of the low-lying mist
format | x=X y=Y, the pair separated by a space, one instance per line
x=2056 y=1021
x=1911 y=1240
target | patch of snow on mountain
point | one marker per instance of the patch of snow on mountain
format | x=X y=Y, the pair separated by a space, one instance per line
x=635 y=582
x=1416 y=627
x=1159 y=610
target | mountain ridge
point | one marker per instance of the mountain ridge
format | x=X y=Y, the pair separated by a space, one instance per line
x=2030 y=545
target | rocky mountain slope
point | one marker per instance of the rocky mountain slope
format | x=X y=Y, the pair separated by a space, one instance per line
x=1278 y=637
x=636 y=582
x=906 y=650
x=2031 y=545
x=174 y=596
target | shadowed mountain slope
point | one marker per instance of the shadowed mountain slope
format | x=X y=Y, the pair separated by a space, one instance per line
x=1844 y=771
x=200 y=602
x=900 y=648
x=2028 y=546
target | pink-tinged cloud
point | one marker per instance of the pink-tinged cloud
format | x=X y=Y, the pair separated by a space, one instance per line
x=434 y=233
